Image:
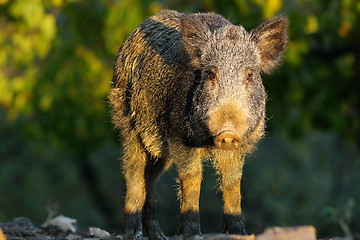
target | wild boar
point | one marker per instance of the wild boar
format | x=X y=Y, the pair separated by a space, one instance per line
x=188 y=87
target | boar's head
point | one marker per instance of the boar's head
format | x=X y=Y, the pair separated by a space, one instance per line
x=227 y=100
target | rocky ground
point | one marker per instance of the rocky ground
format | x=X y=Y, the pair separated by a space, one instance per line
x=62 y=228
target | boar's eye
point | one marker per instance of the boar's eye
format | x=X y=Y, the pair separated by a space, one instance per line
x=211 y=75
x=249 y=75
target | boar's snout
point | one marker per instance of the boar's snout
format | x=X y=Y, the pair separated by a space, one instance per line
x=227 y=140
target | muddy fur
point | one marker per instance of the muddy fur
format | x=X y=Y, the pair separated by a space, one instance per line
x=179 y=80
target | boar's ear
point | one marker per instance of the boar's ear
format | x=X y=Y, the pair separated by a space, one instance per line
x=193 y=33
x=271 y=39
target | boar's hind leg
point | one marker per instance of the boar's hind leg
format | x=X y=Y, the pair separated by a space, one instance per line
x=229 y=166
x=189 y=167
x=134 y=166
x=153 y=169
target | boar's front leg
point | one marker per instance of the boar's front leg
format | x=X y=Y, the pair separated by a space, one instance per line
x=189 y=166
x=229 y=166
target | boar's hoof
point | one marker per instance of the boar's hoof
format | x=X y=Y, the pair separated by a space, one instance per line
x=227 y=140
x=153 y=230
x=133 y=236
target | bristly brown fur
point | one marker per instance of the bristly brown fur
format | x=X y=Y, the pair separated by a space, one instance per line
x=179 y=81
x=271 y=38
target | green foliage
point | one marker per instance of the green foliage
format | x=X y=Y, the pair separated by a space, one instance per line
x=342 y=215
x=56 y=59
x=301 y=180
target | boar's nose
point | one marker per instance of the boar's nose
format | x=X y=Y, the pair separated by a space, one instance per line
x=227 y=140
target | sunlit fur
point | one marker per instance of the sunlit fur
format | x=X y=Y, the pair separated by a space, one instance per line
x=179 y=80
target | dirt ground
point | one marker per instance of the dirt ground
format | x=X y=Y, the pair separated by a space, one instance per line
x=23 y=228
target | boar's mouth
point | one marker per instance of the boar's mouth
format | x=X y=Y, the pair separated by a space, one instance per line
x=201 y=137
x=226 y=140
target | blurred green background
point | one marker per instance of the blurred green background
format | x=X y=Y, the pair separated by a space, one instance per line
x=58 y=149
